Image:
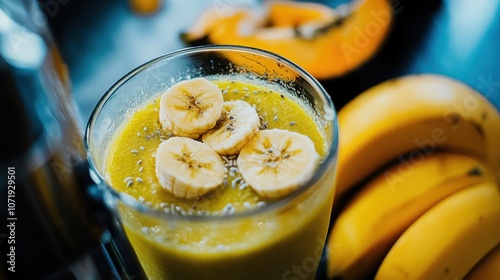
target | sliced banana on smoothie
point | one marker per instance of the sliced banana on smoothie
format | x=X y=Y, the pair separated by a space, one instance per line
x=276 y=162
x=239 y=121
x=190 y=108
x=188 y=168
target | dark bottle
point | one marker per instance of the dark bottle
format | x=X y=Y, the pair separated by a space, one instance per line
x=52 y=223
x=47 y=227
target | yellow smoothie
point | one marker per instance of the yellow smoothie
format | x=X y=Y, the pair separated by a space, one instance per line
x=232 y=232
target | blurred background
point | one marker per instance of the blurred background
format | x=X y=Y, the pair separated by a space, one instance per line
x=103 y=40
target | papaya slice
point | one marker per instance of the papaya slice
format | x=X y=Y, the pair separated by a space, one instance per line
x=294 y=14
x=326 y=42
x=144 y=6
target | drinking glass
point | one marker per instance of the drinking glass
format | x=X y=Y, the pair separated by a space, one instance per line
x=283 y=240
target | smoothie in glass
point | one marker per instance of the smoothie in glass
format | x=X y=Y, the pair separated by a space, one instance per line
x=235 y=230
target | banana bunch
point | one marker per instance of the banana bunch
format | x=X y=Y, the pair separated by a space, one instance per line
x=419 y=163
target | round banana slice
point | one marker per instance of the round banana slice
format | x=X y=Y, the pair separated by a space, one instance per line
x=276 y=162
x=188 y=168
x=190 y=108
x=238 y=123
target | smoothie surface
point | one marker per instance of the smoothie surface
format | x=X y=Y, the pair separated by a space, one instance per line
x=130 y=164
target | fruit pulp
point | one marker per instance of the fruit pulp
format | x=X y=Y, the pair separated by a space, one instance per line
x=286 y=242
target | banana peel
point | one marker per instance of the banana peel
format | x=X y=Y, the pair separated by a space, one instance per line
x=389 y=203
x=408 y=120
x=415 y=115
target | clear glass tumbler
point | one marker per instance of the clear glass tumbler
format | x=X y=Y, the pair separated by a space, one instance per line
x=283 y=240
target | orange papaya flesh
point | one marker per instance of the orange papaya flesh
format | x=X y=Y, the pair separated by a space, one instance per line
x=144 y=6
x=335 y=46
x=285 y=14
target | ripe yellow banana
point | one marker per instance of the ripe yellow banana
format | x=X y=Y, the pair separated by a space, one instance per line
x=416 y=114
x=388 y=204
x=488 y=267
x=449 y=239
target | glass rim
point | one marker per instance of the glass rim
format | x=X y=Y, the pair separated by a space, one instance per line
x=135 y=204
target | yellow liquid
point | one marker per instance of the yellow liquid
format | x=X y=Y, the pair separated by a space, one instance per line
x=258 y=246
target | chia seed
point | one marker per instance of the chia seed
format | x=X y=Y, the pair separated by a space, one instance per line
x=243 y=186
x=228 y=209
x=263 y=124
x=128 y=179
x=235 y=182
x=234 y=169
x=135 y=152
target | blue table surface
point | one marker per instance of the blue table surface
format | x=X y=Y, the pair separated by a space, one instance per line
x=103 y=40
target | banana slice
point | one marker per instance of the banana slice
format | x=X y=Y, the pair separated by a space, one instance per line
x=276 y=162
x=188 y=168
x=190 y=108
x=238 y=123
